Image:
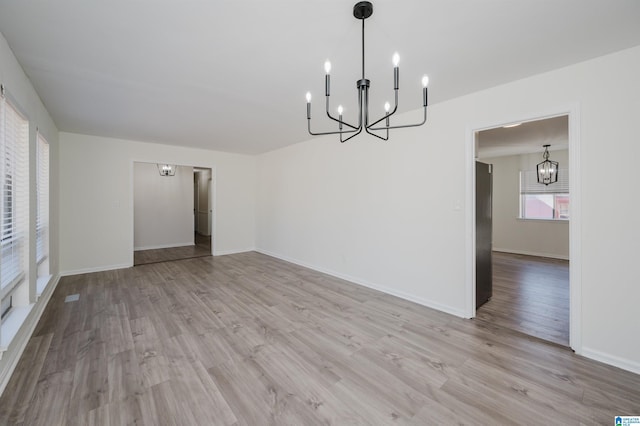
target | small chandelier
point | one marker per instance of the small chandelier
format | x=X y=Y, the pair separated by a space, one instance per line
x=547 y=170
x=166 y=169
x=362 y=10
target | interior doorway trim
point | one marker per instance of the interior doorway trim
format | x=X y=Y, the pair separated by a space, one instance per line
x=575 y=182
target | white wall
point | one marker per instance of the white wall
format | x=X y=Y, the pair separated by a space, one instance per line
x=391 y=214
x=162 y=207
x=96 y=215
x=22 y=92
x=533 y=237
x=377 y=213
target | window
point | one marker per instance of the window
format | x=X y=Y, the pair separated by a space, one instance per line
x=539 y=201
x=42 y=214
x=14 y=170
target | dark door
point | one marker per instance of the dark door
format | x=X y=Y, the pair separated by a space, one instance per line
x=484 y=184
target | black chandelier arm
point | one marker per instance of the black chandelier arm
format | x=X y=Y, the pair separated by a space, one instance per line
x=352 y=136
x=395 y=108
x=403 y=126
x=339 y=132
x=378 y=136
x=341 y=121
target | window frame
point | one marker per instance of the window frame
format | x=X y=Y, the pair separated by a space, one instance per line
x=42 y=198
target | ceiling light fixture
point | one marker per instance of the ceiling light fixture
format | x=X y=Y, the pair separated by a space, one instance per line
x=166 y=169
x=547 y=170
x=362 y=10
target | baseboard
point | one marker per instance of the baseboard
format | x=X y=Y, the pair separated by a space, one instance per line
x=387 y=290
x=226 y=252
x=12 y=356
x=531 y=253
x=623 y=363
x=95 y=269
x=163 y=246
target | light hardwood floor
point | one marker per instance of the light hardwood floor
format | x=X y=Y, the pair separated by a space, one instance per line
x=247 y=339
x=530 y=295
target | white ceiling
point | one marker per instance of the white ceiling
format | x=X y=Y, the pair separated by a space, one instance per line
x=526 y=138
x=231 y=75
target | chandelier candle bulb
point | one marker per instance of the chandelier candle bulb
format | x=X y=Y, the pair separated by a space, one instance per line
x=308 y=105
x=396 y=71
x=425 y=83
x=340 y=109
x=386 y=112
x=327 y=77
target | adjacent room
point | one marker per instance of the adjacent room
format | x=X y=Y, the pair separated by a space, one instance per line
x=528 y=269
x=171 y=221
x=205 y=221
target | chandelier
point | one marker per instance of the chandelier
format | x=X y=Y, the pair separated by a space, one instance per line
x=547 y=170
x=166 y=169
x=362 y=10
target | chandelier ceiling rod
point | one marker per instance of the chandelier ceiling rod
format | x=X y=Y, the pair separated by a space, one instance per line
x=362 y=10
x=363 y=47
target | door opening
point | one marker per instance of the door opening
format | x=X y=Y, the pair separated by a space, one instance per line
x=203 y=212
x=522 y=251
x=172 y=214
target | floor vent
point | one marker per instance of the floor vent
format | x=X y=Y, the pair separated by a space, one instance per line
x=71 y=298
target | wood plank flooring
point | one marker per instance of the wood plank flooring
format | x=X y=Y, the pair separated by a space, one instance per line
x=201 y=248
x=530 y=295
x=247 y=339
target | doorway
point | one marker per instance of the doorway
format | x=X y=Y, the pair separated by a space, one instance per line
x=165 y=224
x=543 y=267
x=202 y=207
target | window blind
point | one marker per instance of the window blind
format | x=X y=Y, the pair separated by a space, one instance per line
x=42 y=214
x=529 y=183
x=14 y=169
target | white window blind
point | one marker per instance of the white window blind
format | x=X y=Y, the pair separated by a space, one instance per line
x=529 y=183
x=14 y=169
x=42 y=215
x=539 y=201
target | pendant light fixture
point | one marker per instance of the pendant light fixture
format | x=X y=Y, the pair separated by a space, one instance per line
x=547 y=170
x=166 y=169
x=362 y=10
